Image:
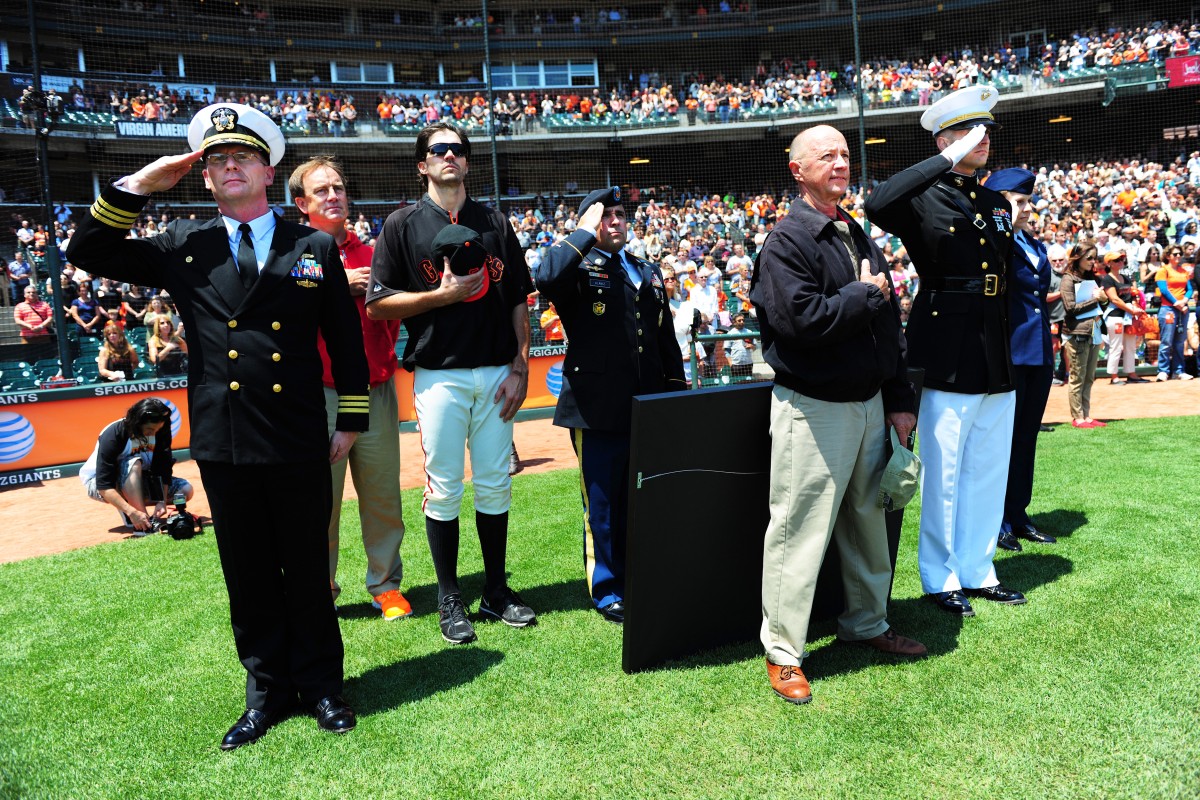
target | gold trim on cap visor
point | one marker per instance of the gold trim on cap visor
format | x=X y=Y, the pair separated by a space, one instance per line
x=235 y=138
x=962 y=117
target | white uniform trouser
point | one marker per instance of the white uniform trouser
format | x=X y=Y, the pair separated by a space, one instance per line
x=456 y=410
x=966 y=441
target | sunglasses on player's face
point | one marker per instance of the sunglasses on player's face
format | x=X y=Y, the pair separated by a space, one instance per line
x=441 y=148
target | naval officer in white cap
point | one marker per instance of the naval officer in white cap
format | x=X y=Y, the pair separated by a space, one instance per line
x=253 y=291
x=959 y=235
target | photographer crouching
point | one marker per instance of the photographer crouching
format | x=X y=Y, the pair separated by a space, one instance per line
x=131 y=461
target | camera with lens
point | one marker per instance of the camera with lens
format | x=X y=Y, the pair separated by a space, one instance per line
x=181 y=524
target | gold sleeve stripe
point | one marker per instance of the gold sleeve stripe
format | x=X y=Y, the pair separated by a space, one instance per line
x=102 y=215
x=353 y=410
x=573 y=247
x=115 y=212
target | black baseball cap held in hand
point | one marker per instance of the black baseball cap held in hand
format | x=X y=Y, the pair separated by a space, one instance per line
x=464 y=247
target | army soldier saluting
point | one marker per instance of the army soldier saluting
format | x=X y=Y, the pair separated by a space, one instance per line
x=253 y=291
x=959 y=235
x=617 y=318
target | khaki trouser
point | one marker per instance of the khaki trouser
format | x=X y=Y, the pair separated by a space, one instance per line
x=826 y=463
x=1082 y=355
x=374 y=463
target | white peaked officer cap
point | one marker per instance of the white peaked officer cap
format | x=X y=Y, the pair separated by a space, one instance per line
x=234 y=123
x=964 y=108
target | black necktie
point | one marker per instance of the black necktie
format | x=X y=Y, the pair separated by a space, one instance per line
x=247 y=263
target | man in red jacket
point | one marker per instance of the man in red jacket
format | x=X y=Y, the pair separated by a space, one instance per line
x=318 y=188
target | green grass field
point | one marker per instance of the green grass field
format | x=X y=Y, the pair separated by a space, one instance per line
x=118 y=674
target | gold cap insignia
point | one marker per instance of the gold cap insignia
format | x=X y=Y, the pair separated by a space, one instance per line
x=224 y=119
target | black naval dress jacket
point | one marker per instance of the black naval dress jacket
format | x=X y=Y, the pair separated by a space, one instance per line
x=959 y=236
x=621 y=339
x=255 y=394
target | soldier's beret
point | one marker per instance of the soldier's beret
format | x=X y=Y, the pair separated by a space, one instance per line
x=1013 y=179
x=609 y=197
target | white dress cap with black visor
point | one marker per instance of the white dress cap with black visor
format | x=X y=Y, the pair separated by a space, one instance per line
x=235 y=123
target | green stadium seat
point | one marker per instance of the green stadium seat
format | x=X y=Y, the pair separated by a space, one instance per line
x=46 y=368
x=22 y=383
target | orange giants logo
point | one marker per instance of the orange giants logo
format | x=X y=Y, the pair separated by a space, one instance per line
x=495 y=268
x=431 y=275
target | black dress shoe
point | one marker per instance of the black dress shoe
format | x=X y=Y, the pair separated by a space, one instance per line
x=998 y=594
x=250 y=727
x=1032 y=534
x=953 y=602
x=1007 y=541
x=613 y=612
x=335 y=715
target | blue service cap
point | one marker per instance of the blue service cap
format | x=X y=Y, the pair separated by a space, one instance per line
x=1013 y=179
x=610 y=196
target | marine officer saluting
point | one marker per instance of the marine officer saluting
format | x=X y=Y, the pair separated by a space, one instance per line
x=621 y=342
x=253 y=291
x=959 y=236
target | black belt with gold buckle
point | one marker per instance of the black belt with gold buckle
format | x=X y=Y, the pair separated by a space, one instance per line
x=988 y=285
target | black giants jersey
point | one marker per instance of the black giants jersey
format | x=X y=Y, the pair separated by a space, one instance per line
x=462 y=335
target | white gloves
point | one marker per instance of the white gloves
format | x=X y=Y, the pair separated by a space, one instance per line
x=958 y=150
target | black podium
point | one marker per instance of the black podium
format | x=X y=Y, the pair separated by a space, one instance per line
x=698 y=512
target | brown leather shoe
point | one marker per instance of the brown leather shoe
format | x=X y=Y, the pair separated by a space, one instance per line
x=891 y=642
x=789 y=683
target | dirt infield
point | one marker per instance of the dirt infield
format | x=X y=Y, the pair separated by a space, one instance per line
x=55 y=516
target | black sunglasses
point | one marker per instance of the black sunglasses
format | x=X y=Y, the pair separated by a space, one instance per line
x=441 y=148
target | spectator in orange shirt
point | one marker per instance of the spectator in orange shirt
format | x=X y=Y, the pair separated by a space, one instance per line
x=1175 y=289
x=551 y=325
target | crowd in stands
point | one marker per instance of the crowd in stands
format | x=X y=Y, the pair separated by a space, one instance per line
x=785 y=86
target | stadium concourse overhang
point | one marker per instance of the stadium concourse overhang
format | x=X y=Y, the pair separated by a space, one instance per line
x=747 y=156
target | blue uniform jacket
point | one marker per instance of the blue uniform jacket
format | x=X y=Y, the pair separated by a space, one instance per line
x=1028 y=313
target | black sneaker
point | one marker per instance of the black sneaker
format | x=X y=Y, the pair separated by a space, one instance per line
x=506 y=606
x=452 y=618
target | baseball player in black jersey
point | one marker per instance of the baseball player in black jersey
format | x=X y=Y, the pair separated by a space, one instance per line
x=468 y=350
